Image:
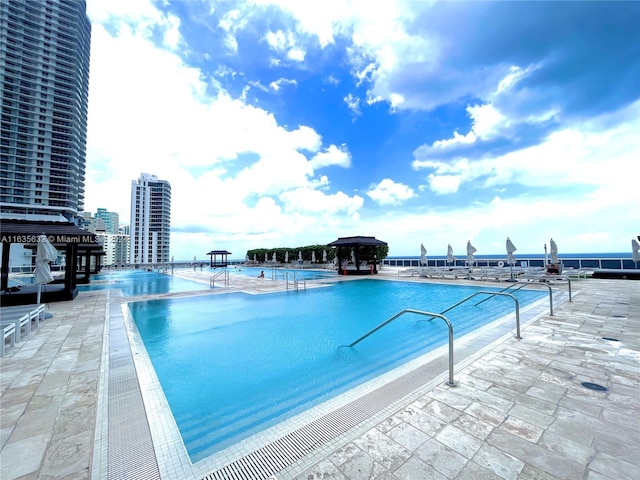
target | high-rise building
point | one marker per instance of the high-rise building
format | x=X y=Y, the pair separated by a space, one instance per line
x=110 y=220
x=150 y=227
x=44 y=84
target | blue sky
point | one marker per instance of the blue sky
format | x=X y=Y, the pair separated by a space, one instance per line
x=288 y=123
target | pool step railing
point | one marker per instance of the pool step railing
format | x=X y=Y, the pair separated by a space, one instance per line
x=296 y=279
x=500 y=294
x=418 y=312
x=514 y=287
x=224 y=274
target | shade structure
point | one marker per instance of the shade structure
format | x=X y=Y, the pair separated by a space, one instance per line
x=470 y=251
x=511 y=248
x=423 y=255
x=450 y=258
x=635 y=250
x=553 y=250
x=45 y=253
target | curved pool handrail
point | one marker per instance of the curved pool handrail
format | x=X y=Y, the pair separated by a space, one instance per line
x=419 y=312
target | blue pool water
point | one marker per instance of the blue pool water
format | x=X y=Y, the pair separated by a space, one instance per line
x=300 y=273
x=141 y=282
x=231 y=365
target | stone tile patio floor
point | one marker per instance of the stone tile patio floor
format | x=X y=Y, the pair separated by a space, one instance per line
x=519 y=410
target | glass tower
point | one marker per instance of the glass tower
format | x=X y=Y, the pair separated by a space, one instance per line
x=44 y=84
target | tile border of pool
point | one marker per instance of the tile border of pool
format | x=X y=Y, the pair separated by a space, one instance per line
x=172 y=458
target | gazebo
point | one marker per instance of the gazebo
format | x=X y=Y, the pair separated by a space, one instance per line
x=364 y=249
x=213 y=262
x=66 y=237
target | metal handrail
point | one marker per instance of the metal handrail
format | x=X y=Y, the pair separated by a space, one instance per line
x=213 y=278
x=451 y=382
x=510 y=287
x=492 y=293
x=296 y=279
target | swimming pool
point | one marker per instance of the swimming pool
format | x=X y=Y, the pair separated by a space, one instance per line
x=141 y=282
x=232 y=365
x=279 y=272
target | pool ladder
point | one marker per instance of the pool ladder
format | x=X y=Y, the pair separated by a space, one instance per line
x=296 y=279
x=224 y=273
x=440 y=315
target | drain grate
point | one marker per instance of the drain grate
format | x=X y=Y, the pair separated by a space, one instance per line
x=610 y=339
x=275 y=456
x=131 y=453
x=594 y=386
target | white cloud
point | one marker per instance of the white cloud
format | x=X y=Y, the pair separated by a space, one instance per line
x=278 y=84
x=388 y=192
x=333 y=155
x=285 y=42
x=235 y=172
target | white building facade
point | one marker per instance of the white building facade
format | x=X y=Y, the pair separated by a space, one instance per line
x=116 y=248
x=150 y=227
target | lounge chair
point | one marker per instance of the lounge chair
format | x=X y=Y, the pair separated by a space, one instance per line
x=19 y=321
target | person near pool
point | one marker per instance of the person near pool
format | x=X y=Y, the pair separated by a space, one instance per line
x=261 y=274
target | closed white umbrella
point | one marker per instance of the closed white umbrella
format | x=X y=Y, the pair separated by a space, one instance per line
x=635 y=249
x=470 y=251
x=353 y=256
x=450 y=258
x=511 y=259
x=423 y=255
x=286 y=257
x=45 y=253
x=266 y=257
x=324 y=256
x=313 y=256
x=273 y=258
x=300 y=256
x=254 y=258
x=553 y=251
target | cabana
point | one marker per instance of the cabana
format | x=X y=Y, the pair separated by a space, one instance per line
x=65 y=236
x=224 y=262
x=364 y=250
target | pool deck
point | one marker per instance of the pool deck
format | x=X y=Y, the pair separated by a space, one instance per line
x=518 y=410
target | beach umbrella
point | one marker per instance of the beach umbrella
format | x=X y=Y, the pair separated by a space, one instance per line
x=274 y=257
x=553 y=251
x=324 y=256
x=254 y=258
x=450 y=258
x=266 y=257
x=286 y=257
x=635 y=249
x=45 y=253
x=470 y=251
x=511 y=259
x=423 y=255
x=353 y=256
x=313 y=256
x=300 y=255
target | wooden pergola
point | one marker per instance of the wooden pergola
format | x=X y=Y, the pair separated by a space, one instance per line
x=364 y=249
x=224 y=262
